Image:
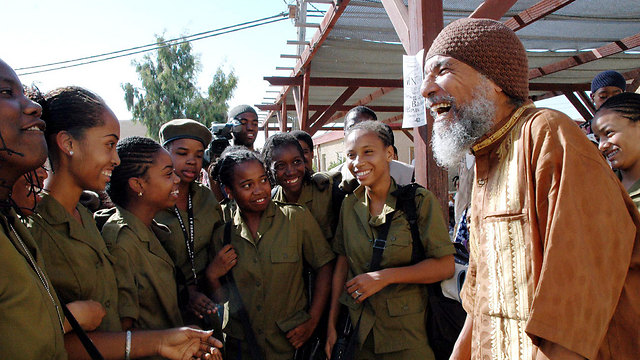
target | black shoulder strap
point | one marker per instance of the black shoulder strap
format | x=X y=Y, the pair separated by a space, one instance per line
x=406 y=196
x=380 y=243
x=86 y=341
x=250 y=336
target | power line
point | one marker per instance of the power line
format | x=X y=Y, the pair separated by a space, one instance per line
x=156 y=46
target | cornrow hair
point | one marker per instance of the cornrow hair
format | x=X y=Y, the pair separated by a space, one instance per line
x=303 y=136
x=626 y=104
x=278 y=141
x=381 y=130
x=223 y=170
x=136 y=156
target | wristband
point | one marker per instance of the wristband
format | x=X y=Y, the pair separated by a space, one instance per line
x=127 y=346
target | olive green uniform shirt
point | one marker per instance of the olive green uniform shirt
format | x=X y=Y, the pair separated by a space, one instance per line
x=146 y=285
x=634 y=192
x=395 y=314
x=76 y=257
x=207 y=216
x=269 y=274
x=30 y=326
x=317 y=198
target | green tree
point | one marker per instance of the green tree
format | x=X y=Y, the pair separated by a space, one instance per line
x=169 y=92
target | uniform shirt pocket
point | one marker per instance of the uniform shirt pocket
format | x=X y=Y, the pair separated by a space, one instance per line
x=405 y=305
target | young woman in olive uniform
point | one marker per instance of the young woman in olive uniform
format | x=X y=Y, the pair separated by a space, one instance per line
x=194 y=217
x=31 y=320
x=269 y=241
x=284 y=160
x=142 y=185
x=392 y=324
x=82 y=133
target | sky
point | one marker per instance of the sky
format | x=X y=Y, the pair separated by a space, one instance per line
x=40 y=32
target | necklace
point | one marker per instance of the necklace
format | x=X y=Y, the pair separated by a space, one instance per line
x=189 y=237
x=40 y=273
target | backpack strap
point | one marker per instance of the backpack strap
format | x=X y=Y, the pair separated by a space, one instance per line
x=254 y=348
x=406 y=196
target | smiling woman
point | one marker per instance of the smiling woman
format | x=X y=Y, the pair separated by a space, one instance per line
x=616 y=125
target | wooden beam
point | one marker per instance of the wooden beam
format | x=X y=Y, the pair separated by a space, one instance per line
x=408 y=134
x=265 y=124
x=535 y=13
x=284 y=68
x=307 y=25
x=288 y=56
x=283 y=115
x=492 y=9
x=586 y=100
x=324 y=117
x=304 y=99
x=586 y=115
x=366 y=100
x=546 y=95
x=327 y=23
x=394 y=126
x=612 y=48
x=341 y=108
x=334 y=81
x=297 y=42
x=425 y=22
x=399 y=16
x=559 y=87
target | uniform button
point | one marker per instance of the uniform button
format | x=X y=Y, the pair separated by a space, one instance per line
x=405 y=307
x=258 y=283
x=259 y=308
x=255 y=260
x=285 y=256
x=481 y=182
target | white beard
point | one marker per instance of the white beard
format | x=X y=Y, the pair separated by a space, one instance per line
x=452 y=139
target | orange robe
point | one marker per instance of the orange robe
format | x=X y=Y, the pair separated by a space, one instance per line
x=555 y=251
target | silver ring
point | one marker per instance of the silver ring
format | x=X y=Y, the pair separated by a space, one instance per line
x=358 y=293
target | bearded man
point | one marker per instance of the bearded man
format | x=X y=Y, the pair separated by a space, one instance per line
x=555 y=256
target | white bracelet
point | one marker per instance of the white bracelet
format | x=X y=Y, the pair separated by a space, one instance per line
x=127 y=346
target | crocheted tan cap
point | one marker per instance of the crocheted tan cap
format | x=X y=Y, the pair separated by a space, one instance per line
x=490 y=48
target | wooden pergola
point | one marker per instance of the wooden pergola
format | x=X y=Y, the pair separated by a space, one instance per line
x=355 y=55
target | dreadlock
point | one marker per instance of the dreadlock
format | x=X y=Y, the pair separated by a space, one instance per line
x=72 y=109
x=381 y=130
x=277 y=141
x=232 y=156
x=626 y=104
x=136 y=156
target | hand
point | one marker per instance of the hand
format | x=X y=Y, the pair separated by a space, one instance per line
x=185 y=343
x=200 y=304
x=88 y=313
x=225 y=259
x=332 y=337
x=365 y=285
x=300 y=334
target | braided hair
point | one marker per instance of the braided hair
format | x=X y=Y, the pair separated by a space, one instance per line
x=277 y=141
x=383 y=131
x=232 y=156
x=626 y=104
x=72 y=109
x=136 y=156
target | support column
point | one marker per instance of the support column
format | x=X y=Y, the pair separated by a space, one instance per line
x=283 y=115
x=425 y=22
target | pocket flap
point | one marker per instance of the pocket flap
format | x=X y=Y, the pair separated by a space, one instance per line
x=284 y=254
x=404 y=305
x=348 y=301
x=292 y=321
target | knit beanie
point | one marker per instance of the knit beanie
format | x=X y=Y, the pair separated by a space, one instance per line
x=490 y=48
x=239 y=110
x=608 y=78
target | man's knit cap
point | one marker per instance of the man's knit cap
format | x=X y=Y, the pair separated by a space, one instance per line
x=490 y=48
x=608 y=78
x=241 y=109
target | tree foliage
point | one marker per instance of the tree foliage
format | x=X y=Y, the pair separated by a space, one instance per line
x=169 y=89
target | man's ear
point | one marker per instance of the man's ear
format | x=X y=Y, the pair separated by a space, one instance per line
x=65 y=142
x=135 y=184
x=592 y=96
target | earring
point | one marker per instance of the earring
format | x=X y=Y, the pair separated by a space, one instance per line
x=140 y=194
x=70 y=152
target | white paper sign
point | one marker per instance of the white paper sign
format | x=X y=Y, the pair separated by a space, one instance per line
x=414 y=110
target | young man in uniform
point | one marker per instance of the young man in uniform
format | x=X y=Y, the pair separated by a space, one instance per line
x=248 y=117
x=543 y=282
